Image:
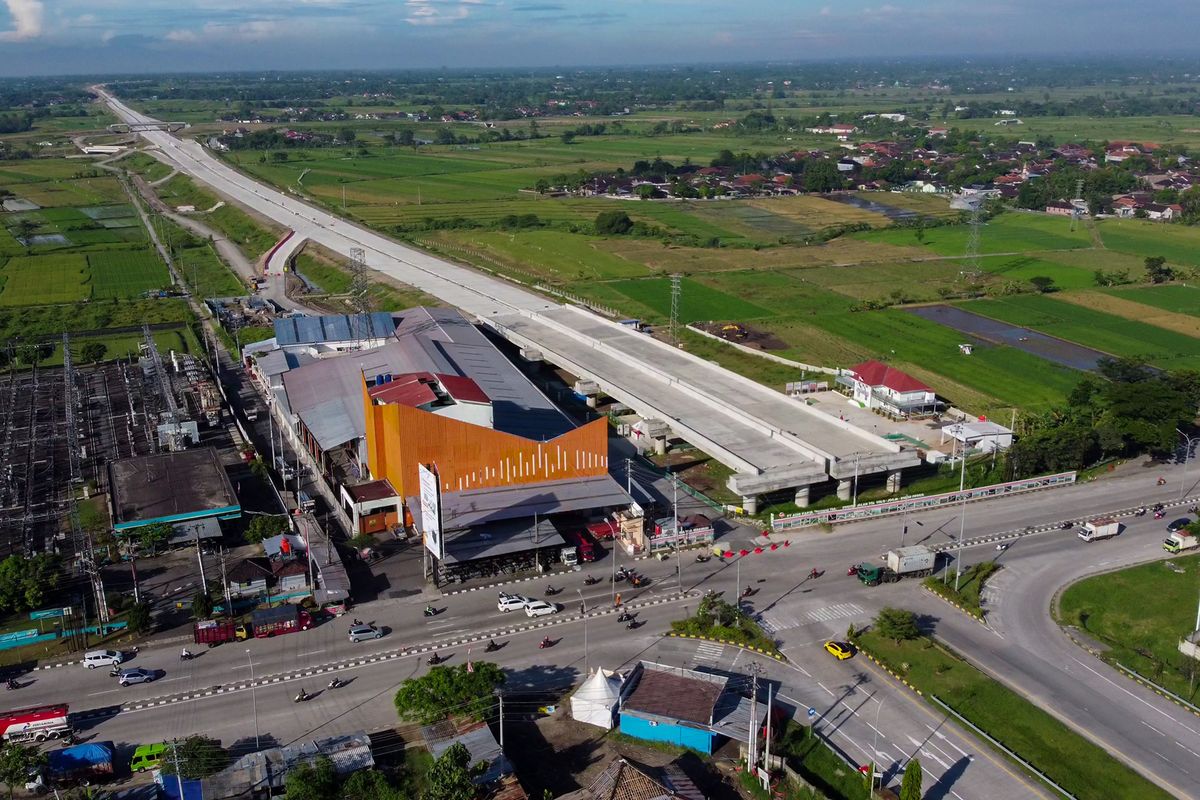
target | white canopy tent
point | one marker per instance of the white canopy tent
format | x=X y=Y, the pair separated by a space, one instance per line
x=595 y=702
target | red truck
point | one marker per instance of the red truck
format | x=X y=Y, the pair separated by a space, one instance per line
x=279 y=620
x=213 y=632
x=35 y=724
x=601 y=531
x=583 y=544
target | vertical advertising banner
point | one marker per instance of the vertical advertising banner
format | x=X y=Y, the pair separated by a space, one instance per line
x=431 y=510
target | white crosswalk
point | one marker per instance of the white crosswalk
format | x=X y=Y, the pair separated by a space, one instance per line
x=775 y=621
x=709 y=651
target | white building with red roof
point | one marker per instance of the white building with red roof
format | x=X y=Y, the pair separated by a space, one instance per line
x=876 y=385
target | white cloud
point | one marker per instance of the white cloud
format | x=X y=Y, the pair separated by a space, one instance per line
x=182 y=36
x=252 y=31
x=26 y=20
x=427 y=12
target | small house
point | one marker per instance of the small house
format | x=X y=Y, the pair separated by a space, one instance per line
x=876 y=385
x=682 y=707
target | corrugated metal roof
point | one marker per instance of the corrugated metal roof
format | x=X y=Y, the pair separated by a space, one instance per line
x=327 y=395
x=480 y=743
x=299 y=330
x=482 y=506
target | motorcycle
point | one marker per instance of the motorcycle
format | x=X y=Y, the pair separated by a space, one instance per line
x=852 y=569
x=1141 y=512
x=1002 y=546
x=491 y=647
x=1066 y=526
x=430 y=611
x=633 y=625
x=701 y=559
x=747 y=592
x=336 y=683
x=1162 y=481
x=434 y=660
x=12 y=684
x=1194 y=509
x=814 y=573
x=115 y=672
x=551 y=591
x=590 y=581
x=544 y=643
x=186 y=655
x=300 y=698
x=624 y=616
x=1159 y=514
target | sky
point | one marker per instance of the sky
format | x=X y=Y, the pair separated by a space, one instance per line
x=107 y=36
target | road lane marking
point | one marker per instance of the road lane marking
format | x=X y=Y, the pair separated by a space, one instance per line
x=1190 y=750
x=948 y=741
x=1134 y=696
x=309 y=653
x=1151 y=727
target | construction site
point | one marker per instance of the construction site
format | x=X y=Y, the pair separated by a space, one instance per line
x=61 y=426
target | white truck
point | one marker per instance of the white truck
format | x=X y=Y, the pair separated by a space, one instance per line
x=569 y=556
x=916 y=561
x=1101 y=528
x=1180 y=540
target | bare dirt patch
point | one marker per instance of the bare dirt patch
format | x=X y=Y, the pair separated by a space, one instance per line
x=743 y=334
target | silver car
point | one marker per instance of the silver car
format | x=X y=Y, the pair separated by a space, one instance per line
x=362 y=632
x=129 y=677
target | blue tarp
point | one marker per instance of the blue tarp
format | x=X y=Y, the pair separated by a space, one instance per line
x=192 y=790
x=80 y=757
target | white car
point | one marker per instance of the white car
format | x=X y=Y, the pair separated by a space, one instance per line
x=540 y=608
x=512 y=602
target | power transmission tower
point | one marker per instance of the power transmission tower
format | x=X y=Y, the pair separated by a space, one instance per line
x=970 y=265
x=360 y=294
x=675 y=290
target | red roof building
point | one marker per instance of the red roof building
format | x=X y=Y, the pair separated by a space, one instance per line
x=874 y=384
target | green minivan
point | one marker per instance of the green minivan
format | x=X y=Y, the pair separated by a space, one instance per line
x=147 y=756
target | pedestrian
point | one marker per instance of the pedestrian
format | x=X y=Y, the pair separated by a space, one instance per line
x=617 y=602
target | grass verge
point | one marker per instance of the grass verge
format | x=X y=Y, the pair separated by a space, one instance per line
x=970 y=586
x=1068 y=759
x=1141 y=613
x=717 y=619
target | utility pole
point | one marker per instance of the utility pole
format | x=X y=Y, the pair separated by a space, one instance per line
x=501 y=696
x=767 y=740
x=629 y=476
x=752 y=748
x=225 y=585
x=678 y=533
x=175 y=760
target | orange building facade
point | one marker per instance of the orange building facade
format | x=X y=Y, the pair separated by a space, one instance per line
x=467 y=456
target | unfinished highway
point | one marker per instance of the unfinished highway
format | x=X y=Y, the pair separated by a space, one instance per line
x=770 y=441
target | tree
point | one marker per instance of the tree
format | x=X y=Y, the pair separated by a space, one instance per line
x=897 y=624
x=1157 y=270
x=202 y=605
x=910 y=787
x=370 y=784
x=17 y=762
x=264 y=527
x=24 y=582
x=821 y=175
x=347 y=135
x=316 y=781
x=443 y=690
x=449 y=778
x=568 y=137
x=138 y=619
x=613 y=222
x=1043 y=284
x=92 y=352
x=197 y=756
x=151 y=537
x=542 y=186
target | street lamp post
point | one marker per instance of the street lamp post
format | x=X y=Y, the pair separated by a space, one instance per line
x=253 y=699
x=854 y=501
x=583 y=613
x=875 y=748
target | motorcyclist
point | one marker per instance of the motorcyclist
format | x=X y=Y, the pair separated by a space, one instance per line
x=491 y=645
x=545 y=642
x=303 y=695
x=429 y=612
x=186 y=654
x=12 y=684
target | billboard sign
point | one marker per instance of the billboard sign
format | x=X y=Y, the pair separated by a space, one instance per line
x=431 y=510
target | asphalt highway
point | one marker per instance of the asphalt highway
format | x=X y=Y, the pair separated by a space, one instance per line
x=1021 y=645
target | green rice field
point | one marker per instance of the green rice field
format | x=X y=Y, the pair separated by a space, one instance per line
x=128 y=273
x=46 y=279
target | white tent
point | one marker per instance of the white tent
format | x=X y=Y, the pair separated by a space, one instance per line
x=595 y=702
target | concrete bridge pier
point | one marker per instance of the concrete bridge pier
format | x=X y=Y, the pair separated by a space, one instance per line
x=844 y=488
x=802 y=493
x=750 y=504
x=893 y=481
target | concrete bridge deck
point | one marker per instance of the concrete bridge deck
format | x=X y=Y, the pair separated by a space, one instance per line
x=771 y=441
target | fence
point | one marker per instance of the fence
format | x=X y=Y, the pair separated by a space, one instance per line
x=768 y=356
x=906 y=504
